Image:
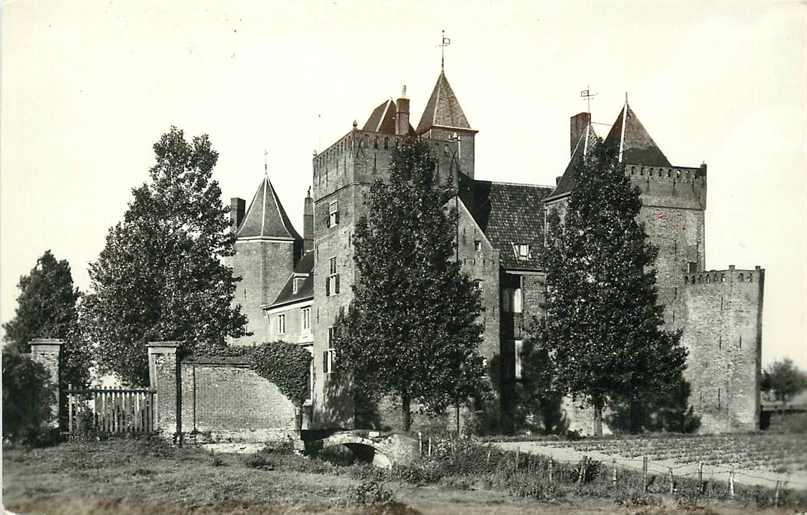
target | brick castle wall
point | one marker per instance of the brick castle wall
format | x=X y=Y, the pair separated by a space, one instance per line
x=722 y=313
x=233 y=402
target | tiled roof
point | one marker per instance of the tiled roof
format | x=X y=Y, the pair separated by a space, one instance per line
x=636 y=144
x=265 y=217
x=304 y=267
x=443 y=108
x=508 y=214
x=569 y=178
x=382 y=119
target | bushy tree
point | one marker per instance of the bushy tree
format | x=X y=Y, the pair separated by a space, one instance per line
x=603 y=328
x=46 y=308
x=28 y=396
x=160 y=275
x=412 y=330
x=784 y=380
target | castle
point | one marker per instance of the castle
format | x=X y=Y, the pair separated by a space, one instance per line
x=293 y=286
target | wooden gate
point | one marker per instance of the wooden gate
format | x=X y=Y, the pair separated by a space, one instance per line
x=107 y=411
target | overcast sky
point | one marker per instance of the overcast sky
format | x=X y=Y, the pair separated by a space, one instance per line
x=88 y=87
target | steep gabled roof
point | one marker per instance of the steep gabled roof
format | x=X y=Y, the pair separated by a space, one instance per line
x=635 y=144
x=382 y=119
x=265 y=217
x=305 y=291
x=569 y=178
x=443 y=108
x=508 y=214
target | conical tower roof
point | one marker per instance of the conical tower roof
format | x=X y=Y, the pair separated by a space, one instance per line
x=635 y=144
x=265 y=217
x=443 y=108
x=568 y=181
x=382 y=119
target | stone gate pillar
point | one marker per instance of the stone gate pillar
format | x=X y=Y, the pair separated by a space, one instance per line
x=163 y=370
x=47 y=351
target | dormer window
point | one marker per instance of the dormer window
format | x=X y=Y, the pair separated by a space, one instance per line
x=478 y=245
x=522 y=251
x=297 y=284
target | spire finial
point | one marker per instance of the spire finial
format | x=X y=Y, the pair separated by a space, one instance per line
x=626 y=98
x=403 y=91
x=266 y=162
x=443 y=44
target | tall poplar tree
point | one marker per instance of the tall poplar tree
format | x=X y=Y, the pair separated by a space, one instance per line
x=160 y=275
x=413 y=328
x=603 y=328
x=46 y=308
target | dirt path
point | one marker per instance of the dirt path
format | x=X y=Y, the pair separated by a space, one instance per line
x=710 y=473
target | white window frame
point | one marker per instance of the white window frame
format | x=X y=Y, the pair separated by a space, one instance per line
x=332 y=280
x=330 y=353
x=518 y=364
x=523 y=250
x=333 y=213
x=281 y=323
x=305 y=319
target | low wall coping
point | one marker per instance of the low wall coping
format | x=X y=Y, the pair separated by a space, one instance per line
x=163 y=347
x=46 y=344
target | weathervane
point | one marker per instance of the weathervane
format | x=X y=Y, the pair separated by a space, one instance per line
x=443 y=44
x=587 y=94
x=266 y=162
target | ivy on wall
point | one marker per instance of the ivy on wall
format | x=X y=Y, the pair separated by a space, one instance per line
x=284 y=364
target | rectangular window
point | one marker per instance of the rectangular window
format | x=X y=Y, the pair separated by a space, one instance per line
x=518 y=350
x=281 y=324
x=329 y=356
x=507 y=300
x=296 y=284
x=522 y=251
x=332 y=281
x=333 y=213
x=478 y=245
x=693 y=267
x=517 y=300
x=306 y=318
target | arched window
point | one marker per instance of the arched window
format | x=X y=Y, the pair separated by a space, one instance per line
x=375 y=142
x=686 y=279
x=741 y=278
x=386 y=143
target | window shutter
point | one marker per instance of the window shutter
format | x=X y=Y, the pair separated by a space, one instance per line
x=327 y=286
x=337 y=283
x=336 y=218
x=325 y=362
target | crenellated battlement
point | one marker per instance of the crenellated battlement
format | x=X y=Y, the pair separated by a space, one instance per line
x=722 y=277
x=667 y=173
x=670 y=186
x=359 y=155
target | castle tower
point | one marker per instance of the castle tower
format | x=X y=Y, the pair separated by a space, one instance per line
x=267 y=247
x=673 y=204
x=342 y=176
x=444 y=119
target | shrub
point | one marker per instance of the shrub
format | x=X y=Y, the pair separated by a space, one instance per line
x=28 y=397
x=258 y=461
x=370 y=492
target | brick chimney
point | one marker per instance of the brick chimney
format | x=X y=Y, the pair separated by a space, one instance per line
x=402 y=114
x=577 y=125
x=308 y=222
x=237 y=206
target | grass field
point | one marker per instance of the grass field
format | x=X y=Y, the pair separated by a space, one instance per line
x=148 y=476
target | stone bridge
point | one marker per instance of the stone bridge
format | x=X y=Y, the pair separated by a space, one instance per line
x=385 y=449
